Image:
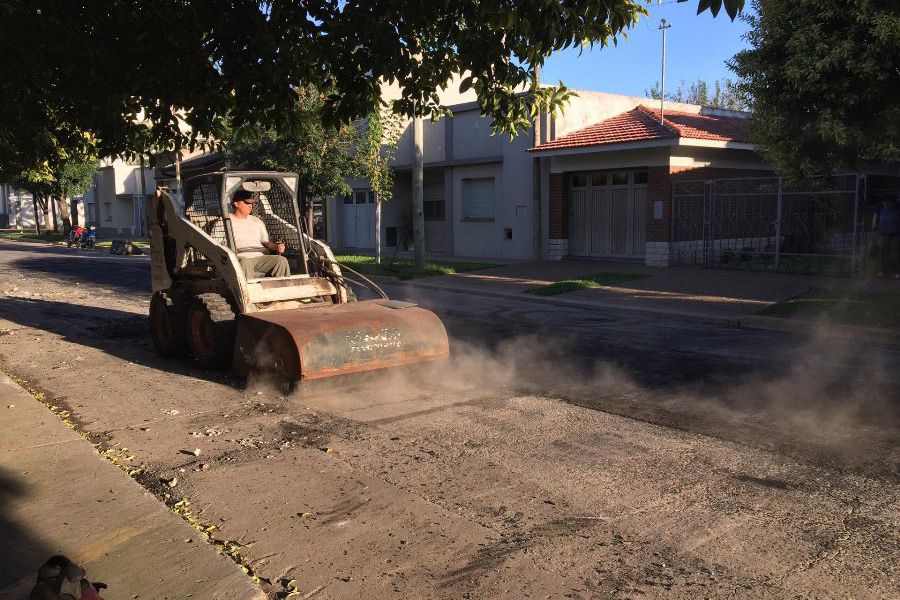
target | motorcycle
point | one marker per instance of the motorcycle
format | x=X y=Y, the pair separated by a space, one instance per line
x=75 y=235
x=82 y=237
x=89 y=238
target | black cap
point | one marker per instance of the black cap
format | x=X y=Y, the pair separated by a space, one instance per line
x=243 y=195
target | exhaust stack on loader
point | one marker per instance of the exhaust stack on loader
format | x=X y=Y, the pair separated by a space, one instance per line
x=305 y=326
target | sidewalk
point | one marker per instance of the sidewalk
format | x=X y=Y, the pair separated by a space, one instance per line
x=718 y=295
x=58 y=496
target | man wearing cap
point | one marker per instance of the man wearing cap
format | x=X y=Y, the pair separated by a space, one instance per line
x=251 y=239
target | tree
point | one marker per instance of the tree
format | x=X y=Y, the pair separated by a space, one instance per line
x=721 y=94
x=822 y=77
x=321 y=154
x=181 y=72
x=62 y=172
x=376 y=150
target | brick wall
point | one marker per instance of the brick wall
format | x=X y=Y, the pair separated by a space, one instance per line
x=659 y=189
x=559 y=207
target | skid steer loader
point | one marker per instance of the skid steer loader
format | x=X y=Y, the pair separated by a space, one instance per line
x=304 y=326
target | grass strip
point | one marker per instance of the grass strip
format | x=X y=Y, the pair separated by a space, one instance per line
x=405 y=268
x=585 y=283
x=874 y=309
x=30 y=236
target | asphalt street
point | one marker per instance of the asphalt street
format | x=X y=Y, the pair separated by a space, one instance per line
x=562 y=451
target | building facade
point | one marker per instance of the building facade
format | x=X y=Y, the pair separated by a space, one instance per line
x=597 y=184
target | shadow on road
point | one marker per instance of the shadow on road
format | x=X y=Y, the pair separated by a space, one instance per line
x=89 y=270
x=118 y=333
x=20 y=552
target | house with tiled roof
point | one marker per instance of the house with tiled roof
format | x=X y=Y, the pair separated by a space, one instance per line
x=596 y=182
x=608 y=167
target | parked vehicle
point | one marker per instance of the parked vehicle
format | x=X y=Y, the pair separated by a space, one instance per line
x=89 y=238
x=82 y=237
x=75 y=235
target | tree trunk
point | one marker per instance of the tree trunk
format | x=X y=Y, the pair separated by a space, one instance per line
x=48 y=218
x=418 y=174
x=53 y=205
x=45 y=213
x=377 y=229
x=64 y=215
x=34 y=206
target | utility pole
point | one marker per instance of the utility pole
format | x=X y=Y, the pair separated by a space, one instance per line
x=536 y=177
x=418 y=173
x=663 y=25
x=143 y=206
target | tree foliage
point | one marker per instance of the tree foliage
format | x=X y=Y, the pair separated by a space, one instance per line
x=377 y=149
x=721 y=94
x=67 y=172
x=321 y=154
x=172 y=73
x=823 y=79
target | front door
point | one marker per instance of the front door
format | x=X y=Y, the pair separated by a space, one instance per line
x=359 y=220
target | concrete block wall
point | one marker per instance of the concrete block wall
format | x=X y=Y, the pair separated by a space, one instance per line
x=657 y=254
x=558 y=249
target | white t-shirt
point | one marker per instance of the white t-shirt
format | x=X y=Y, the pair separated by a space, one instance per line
x=249 y=233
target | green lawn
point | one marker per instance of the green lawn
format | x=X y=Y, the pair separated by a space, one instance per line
x=106 y=244
x=30 y=236
x=874 y=309
x=405 y=268
x=585 y=283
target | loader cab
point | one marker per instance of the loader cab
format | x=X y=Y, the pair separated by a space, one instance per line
x=208 y=206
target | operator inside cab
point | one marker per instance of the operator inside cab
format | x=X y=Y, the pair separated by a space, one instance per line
x=256 y=253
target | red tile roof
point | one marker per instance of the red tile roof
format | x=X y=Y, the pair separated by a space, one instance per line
x=642 y=124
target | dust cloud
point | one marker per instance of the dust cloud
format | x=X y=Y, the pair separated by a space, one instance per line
x=834 y=401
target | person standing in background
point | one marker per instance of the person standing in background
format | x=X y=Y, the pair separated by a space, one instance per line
x=887 y=214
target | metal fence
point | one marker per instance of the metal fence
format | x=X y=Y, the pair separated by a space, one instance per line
x=770 y=223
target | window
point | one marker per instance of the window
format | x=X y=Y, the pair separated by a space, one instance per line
x=362 y=197
x=348 y=199
x=478 y=199
x=390 y=237
x=640 y=177
x=620 y=178
x=579 y=180
x=108 y=207
x=434 y=210
x=598 y=179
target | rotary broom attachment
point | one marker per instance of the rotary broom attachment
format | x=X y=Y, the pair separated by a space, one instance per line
x=328 y=340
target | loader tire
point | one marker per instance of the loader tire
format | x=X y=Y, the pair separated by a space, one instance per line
x=211 y=327
x=168 y=324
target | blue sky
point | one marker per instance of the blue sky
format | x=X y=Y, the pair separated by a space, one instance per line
x=697 y=46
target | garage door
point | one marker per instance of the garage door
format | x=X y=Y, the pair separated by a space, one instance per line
x=608 y=212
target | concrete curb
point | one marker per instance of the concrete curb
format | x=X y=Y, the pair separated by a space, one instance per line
x=837 y=330
x=855 y=332
x=61 y=497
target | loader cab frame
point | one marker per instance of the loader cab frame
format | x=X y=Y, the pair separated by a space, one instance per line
x=208 y=204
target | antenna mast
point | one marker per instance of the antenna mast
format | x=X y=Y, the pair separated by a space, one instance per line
x=663 y=25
